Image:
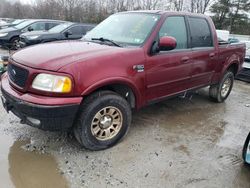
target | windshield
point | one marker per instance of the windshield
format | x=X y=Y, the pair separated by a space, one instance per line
x=60 y=28
x=24 y=24
x=17 y=22
x=125 y=28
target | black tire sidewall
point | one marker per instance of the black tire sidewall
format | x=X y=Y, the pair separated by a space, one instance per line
x=93 y=108
x=245 y=148
x=12 y=41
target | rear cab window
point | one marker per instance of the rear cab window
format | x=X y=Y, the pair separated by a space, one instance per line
x=201 y=35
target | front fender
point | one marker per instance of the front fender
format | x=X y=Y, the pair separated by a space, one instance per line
x=115 y=80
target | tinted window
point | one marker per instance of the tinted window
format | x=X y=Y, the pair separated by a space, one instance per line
x=51 y=25
x=38 y=26
x=175 y=27
x=200 y=33
x=76 y=30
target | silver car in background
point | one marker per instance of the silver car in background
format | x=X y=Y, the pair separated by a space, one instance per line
x=244 y=74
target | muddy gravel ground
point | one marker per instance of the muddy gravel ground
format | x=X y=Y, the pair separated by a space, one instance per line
x=190 y=142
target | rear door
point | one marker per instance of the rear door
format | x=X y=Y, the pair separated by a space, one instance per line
x=204 y=51
x=168 y=72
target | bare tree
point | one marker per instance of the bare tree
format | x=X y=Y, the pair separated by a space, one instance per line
x=199 y=6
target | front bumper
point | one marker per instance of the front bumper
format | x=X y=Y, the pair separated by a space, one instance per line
x=24 y=42
x=43 y=116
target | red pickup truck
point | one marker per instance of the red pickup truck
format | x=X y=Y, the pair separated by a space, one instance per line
x=128 y=61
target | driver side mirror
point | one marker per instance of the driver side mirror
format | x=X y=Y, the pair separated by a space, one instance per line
x=68 y=33
x=167 y=43
x=30 y=29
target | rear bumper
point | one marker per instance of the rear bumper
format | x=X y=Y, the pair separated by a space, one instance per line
x=43 y=116
x=4 y=42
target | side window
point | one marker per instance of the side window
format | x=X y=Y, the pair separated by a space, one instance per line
x=37 y=26
x=84 y=30
x=51 y=25
x=76 y=30
x=175 y=26
x=200 y=33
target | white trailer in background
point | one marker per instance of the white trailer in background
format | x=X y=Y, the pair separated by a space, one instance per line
x=223 y=35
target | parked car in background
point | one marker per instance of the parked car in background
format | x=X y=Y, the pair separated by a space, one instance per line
x=128 y=61
x=244 y=74
x=14 y=23
x=9 y=37
x=2 y=22
x=233 y=40
x=65 y=31
x=223 y=35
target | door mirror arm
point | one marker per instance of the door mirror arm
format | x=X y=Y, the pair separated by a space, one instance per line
x=155 y=48
x=30 y=29
x=68 y=33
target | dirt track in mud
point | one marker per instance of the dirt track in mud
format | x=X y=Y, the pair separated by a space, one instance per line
x=175 y=143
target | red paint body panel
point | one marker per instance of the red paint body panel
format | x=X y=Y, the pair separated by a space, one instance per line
x=92 y=66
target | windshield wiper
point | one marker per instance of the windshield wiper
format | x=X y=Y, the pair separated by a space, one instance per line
x=107 y=40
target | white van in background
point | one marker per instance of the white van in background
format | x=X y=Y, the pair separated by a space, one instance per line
x=223 y=35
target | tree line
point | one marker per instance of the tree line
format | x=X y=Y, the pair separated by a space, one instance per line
x=227 y=14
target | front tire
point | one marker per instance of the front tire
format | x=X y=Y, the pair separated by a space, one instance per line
x=221 y=91
x=14 y=43
x=103 y=120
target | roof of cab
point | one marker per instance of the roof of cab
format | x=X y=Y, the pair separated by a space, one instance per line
x=161 y=12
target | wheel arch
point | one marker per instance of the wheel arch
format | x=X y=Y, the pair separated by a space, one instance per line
x=123 y=87
x=234 y=67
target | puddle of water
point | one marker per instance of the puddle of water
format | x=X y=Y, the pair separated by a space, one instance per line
x=20 y=168
x=5 y=144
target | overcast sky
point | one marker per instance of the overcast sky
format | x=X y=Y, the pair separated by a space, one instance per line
x=23 y=1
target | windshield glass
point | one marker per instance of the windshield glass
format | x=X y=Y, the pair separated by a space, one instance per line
x=60 y=28
x=125 y=28
x=24 y=24
x=17 y=22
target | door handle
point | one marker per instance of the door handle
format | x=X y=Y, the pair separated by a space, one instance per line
x=211 y=55
x=185 y=59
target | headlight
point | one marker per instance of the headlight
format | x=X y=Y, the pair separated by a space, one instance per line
x=52 y=83
x=3 y=34
x=33 y=37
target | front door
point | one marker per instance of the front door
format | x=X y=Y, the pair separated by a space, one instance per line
x=168 y=72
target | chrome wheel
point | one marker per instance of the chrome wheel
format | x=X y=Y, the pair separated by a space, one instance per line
x=106 y=123
x=226 y=87
x=15 y=44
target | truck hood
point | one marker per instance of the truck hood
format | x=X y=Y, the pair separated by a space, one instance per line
x=53 y=56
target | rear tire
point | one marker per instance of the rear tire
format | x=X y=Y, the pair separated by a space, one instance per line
x=103 y=120
x=221 y=91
